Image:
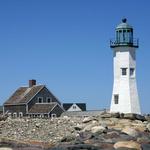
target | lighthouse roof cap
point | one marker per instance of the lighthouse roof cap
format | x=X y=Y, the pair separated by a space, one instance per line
x=124 y=24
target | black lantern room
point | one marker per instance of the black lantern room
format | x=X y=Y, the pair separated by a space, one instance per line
x=124 y=36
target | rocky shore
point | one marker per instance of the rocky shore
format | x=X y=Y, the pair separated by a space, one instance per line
x=103 y=132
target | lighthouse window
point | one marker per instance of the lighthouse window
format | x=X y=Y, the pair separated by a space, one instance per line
x=116 y=98
x=124 y=71
x=132 y=70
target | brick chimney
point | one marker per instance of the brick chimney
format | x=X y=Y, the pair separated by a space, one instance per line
x=32 y=82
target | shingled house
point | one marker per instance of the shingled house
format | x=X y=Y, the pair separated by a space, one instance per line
x=74 y=106
x=34 y=101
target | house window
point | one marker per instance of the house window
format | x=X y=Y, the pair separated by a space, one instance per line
x=20 y=114
x=40 y=99
x=48 y=99
x=124 y=71
x=132 y=72
x=53 y=115
x=74 y=107
x=14 y=114
x=116 y=99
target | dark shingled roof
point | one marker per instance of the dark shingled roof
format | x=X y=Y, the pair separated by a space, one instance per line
x=23 y=95
x=42 y=108
x=82 y=106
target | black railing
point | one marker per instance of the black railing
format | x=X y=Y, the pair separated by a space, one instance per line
x=115 y=43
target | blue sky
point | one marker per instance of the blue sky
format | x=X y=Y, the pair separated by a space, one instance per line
x=65 y=45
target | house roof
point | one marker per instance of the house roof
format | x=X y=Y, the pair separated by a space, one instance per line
x=23 y=94
x=82 y=106
x=42 y=108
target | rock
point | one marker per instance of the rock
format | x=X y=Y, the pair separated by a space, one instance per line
x=98 y=129
x=111 y=115
x=148 y=127
x=33 y=130
x=87 y=119
x=147 y=117
x=146 y=146
x=115 y=115
x=76 y=147
x=66 y=118
x=72 y=131
x=79 y=127
x=130 y=131
x=127 y=144
x=68 y=138
x=5 y=148
x=88 y=127
x=37 y=125
x=130 y=116
x=140 y=117
x=106 y=115
x=3 y=118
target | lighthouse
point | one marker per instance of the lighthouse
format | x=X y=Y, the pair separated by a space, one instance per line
x=125 y=97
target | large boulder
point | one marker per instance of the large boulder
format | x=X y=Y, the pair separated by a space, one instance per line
x=127 y=144
x=87 y=119
x=140 y=117
x=110 y=115
x=3 y=118
x=88 y=127
x=68 y=138
x=148 y=127
x=5 y=148
x=130 y=131
x=130 y=116
x=147 y=117
x=98 y=129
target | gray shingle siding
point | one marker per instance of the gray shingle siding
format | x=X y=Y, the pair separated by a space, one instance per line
x=15 y=108
x=44 y=93
x=57 y=110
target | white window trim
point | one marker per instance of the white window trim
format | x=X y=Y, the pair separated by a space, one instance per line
x=41 y=100
x=15 y=115
x=53 y=115
x=20 y=114
x=47 y=99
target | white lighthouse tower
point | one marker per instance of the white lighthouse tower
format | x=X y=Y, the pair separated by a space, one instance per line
x=125 y=95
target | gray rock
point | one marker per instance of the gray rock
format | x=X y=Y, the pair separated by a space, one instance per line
x=128 y=144
x=146 y=146
x=88 y=127
x=87 y=119
x=76 y=147
x=98 y=129
x=130 y=131
x=68 y=138
x=148 y=127
x=140 y=117
x=5 y=148
x=130 y=116
x=147 y=117
x=110 y=115
x=115 y=115
x=106 y=115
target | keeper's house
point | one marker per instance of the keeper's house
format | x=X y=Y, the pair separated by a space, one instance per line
x=34 y=101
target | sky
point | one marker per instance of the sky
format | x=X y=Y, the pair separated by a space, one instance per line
x=64 y=44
